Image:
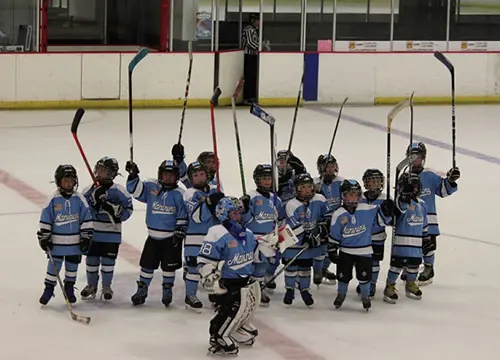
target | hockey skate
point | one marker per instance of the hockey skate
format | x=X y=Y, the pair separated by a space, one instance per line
x=367 y=303
x=390 y=294
x=412 y=290
x=339 y=300
x=69 y=289
x=141 y=294
x=193 y=303
x=289 y=297
x=329 y=278
x=167 y=295
x=307 y=297
x=264 y=300
x=271 y=285
x=244 y=337
x=107 y=292
x=48 y=293
x=426 y=277
x=220 y=348
x=317 y=278
x=89 y=292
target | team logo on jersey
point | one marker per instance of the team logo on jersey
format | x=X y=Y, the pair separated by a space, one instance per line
x=353 y=231
x=425 y=192
x=258 y=202
x=263 y=216
x=353 y=220
x=415 y=220
x=240 y=261
x=232 y=244
x=62 y=219
x=58 y=207
x=158 y=208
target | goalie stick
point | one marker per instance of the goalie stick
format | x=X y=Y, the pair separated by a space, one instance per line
x=74 y=129
x=336 y=126
x=236 y=92
x=444 y=60
x=78 y=318
x=186 y=93
x=131 y=66
x=213 y=103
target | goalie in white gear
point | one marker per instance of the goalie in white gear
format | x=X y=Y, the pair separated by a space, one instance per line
x=226 y=264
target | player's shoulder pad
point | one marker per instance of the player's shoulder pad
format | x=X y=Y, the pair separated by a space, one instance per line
x=338 y=213
x=215 y=233
x=87 y=188
x=365 y=206
x=180 y=190
x=292 y=205
x=339 y=178
x=318 y=197
x=253 y=194
x=54 y=196
x=432 y=172
x=120 y=188
x=189 y=193
x=81 y=197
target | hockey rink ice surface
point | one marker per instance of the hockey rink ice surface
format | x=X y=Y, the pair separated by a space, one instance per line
x=457 y=317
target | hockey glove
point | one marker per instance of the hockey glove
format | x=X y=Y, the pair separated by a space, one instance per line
x=428 y=245
x=113 y=210
x=85 y=239
x=44 y=239
x=213 y=200
x=312 y=238
x=179 y=236
x=388 y=207
x=324 y=229
x=210 y=276
x=132 y=169
x=97 y=197
x=178 y=153
x=453 y=175
x=296 y=164
x=245 y=199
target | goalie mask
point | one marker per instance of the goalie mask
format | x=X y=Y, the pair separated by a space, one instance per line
x=229 y=211
x=350 y=191
x=373 y=181
x=66 y=180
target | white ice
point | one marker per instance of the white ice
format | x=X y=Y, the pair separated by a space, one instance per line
x=456 y=319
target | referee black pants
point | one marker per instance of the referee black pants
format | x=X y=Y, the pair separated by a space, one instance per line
x=251 y=74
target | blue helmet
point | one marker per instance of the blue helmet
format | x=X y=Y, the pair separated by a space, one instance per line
x=225 y=205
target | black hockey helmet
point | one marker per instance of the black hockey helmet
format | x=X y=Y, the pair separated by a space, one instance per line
x=373 y=181
x=323 y=160
x=66 y=171
x=106 y=169
x=194 y=167
x=409 y=185
x=260 y=171
x=350 y=186
x=205 y=155
x=165 y=167
x=299 y=181
x=253 y=17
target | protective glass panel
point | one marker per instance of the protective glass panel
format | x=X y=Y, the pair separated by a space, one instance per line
x=18 y=31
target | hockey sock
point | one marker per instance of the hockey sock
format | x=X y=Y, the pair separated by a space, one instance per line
x=259 y=271
x=51 y=275
x=411 y=274
x=107 y=270
x=393 y=274
x=168 y=277
x=272 y=266
x=92 y=263
x=291 y=276
x=192 y=280
x=365 y=289
x=304 y=278
x=326 y=263
x=146 y=276
x=342 y=288
x=375 y=270
x=318 y=263
x=70 y=271
x=429 y=258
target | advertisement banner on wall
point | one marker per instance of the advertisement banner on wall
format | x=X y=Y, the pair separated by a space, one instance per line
x=203 y=25
x=361 y=46
x=427 y=45
x=412 y=46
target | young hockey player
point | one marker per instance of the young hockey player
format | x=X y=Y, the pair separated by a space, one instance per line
x=65 y=231
x=200 y=201
x=373 y=182
x=327 y=184
x=306 y=216
x=287 y=171
x=226 y=264
x=411 y=228
x=432 y=185
x=262 y=209
x=166 y=219
x=110 y=205
x=351 y=231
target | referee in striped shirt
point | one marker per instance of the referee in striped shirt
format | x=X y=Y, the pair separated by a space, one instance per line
x=250 y=43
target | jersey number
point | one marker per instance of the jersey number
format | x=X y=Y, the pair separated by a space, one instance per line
x=206 y=249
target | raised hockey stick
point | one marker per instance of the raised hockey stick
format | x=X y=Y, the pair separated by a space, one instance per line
x=78 y=318
x=444 y=60
x=336 y=126
x=236 y=92
x=131 y=66
x=411 y=130
x=295 y=115
x=186 y=93
x=390 y=118
x=213 y=103
x=74 y=131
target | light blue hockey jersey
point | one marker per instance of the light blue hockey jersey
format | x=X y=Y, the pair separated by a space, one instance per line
x=262 y=212
x=104 y=231
x=352 y=233
x=331 y=192
x=432 y=184
x=303 y=218
x=66 y=219
x=165 y=209
x=238 y=256
x=200 y=219
x=185 y=180
x=411 y=228
x=378 y=230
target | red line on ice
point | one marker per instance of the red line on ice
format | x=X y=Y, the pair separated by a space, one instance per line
x=271 y=338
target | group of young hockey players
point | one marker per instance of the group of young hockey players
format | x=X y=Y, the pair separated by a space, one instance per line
x=231 y=245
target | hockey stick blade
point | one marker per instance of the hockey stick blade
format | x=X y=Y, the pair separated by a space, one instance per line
x=81 y=319
x=215 y=97
x=444 y=60
x=238 y=88
x=256 y=110
x=76 y=120
x=137 y=59
x=397 y=109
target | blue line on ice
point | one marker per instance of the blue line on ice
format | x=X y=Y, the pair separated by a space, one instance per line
x=426 y=140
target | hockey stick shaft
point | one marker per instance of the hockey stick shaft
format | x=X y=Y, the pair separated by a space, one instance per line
x=336 y=127
x=186 y=92
x=213 y=103
x=444 y=60
x=411 y=130
x=236 y=93
x=283 y=269
x=78 y=318
x=295 y=115
x=131 y=66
